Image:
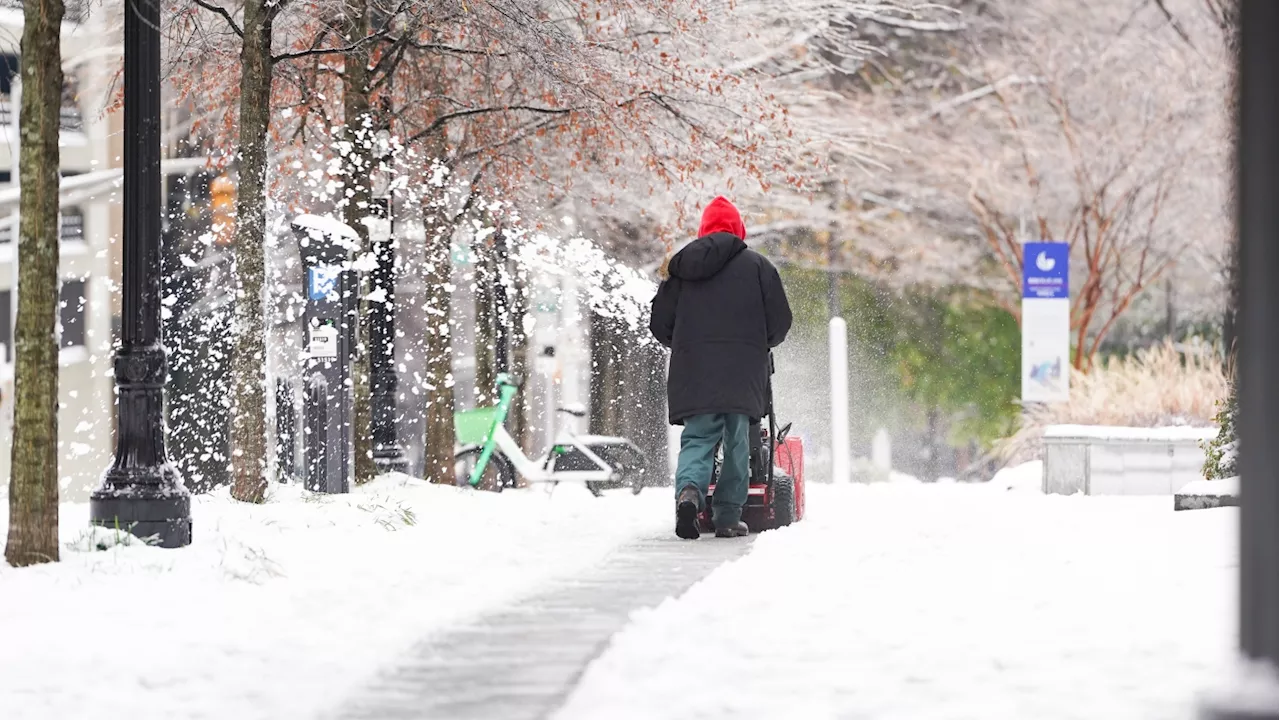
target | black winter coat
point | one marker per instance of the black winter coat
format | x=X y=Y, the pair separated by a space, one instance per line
x=720 y=311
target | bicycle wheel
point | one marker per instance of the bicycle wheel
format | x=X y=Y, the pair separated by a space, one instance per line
x=499 y=473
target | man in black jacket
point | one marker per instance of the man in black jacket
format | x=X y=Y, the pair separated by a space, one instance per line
x=720 y=308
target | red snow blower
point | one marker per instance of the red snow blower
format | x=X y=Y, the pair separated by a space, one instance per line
x=775 y=494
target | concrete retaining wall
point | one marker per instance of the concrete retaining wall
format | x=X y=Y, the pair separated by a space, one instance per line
x=1104 y=460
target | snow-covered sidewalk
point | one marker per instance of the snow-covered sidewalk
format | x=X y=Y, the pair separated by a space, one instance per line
x=281 y=610
x=905 y=602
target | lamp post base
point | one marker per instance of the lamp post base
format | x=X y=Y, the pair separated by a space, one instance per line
x=149 y=504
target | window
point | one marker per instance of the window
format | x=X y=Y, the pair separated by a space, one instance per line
x=71 y=225
x=8 y=68
x=69 y=115
x=6 y=324
x=71 y=317
x=71 y=312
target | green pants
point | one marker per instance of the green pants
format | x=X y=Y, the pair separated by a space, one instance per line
x=697 y=458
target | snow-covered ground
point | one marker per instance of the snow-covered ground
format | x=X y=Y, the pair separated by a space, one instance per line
x=932 y=602
x=280 y=610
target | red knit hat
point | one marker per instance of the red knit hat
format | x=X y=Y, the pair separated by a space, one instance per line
x=721 y=216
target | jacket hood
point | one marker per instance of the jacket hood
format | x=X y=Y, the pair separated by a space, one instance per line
x=720 y=216
x=705 y=256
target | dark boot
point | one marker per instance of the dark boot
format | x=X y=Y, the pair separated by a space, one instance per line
x=687 y=514
x=738 y=530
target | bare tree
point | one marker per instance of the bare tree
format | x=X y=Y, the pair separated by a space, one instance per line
x=1091 y=127
x=1111 y=222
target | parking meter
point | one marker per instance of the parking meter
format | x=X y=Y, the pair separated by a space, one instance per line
x=327 y=248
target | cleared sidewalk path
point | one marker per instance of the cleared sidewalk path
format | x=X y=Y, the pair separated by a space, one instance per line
x=521 y=663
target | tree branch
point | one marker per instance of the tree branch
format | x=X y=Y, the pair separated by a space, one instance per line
x=445 y=119
x=311 y=52
x=219 y=10
x=971 y=96
x=1173 y=22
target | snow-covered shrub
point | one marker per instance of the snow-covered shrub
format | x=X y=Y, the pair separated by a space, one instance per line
x=1220 y=452
x=1160 y=386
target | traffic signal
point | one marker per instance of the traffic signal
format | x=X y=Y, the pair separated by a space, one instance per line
x=222 y=192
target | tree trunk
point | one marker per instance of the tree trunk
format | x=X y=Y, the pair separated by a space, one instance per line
x=486 y=373
x=645 y=411
x=438 y=420
x=932 y=445
x=1228 y=15
x=249 y=353
x=521 y=428
x=33 y=481
x=606 y=375
x=359 y=132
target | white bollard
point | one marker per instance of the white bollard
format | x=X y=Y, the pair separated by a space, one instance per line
x=882 y=451
x=839 y=401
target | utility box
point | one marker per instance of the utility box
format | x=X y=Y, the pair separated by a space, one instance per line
x=328 y=249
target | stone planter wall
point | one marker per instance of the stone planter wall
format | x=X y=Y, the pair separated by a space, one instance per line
x=1103 y=460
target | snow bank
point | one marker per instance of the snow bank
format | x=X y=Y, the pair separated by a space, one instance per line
x=1111 y=432
x=933 y=603
x=1027 y=477
x=280 y=610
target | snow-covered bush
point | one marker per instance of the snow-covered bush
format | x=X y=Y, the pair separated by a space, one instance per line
x=1160 y=386
x=1220 y=452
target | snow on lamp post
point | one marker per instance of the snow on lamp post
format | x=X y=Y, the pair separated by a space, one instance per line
x=142 y=491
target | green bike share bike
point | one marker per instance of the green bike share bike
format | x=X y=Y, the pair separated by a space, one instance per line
x=485 y=448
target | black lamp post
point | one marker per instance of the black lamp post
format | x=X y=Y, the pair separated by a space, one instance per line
x=1256 y=365
x=387 y=453
x=142 y=492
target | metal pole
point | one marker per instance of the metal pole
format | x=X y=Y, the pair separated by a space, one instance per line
x=1258 y=165
x=501 y=306
x=839 y=401
x=387 y=453
x=1255 y=695
x=142 y=492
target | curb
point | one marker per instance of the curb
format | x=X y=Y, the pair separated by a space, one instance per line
x=1204 y=502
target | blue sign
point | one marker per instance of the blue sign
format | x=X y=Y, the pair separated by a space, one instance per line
x=1044 y=270
x=322 y=282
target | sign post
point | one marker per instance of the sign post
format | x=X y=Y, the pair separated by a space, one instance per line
x=1046 y=322
x=327 y=247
